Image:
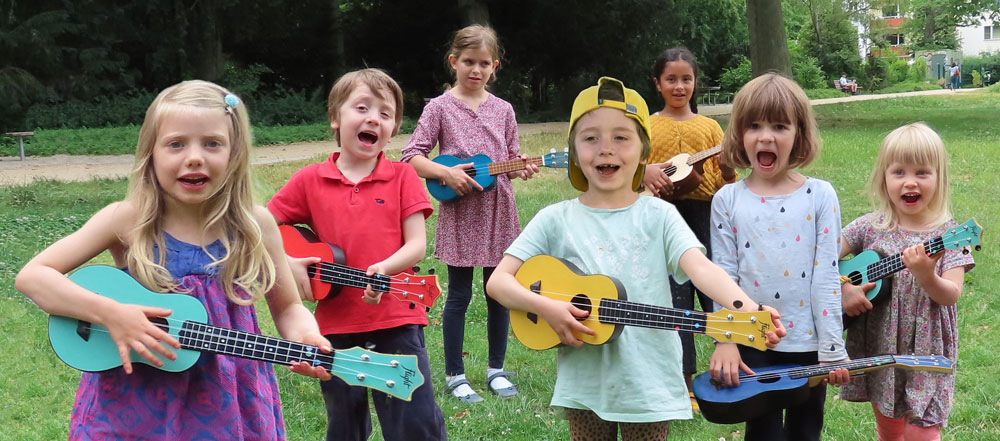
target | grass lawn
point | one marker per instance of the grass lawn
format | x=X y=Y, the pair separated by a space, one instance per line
x=37 y=390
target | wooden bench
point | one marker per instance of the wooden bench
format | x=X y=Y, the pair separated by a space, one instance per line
x=837 y=85
x=20 y=140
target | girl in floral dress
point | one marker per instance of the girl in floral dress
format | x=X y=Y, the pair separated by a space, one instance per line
x=475 y=229
x=910 y=187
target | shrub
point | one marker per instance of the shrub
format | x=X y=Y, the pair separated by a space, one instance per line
x=977 y=79
x=733 y=79
x=828 y=92
x=897 y=72
x=918 y=70
x=909 y=87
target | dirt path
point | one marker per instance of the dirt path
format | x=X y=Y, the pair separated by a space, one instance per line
x=83 y=167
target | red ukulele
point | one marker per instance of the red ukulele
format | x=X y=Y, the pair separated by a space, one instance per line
x=331 y=273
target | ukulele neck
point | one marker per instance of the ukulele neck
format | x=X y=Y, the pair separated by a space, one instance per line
x=212 y=339
x=620 y=312
x=343 y=275
x=704 y=154
x=496 y=168
x=892 y=264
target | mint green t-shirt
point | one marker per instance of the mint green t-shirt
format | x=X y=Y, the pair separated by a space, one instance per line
x=637 y=376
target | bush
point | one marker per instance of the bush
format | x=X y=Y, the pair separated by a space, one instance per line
x=733 y=79
x=874 y=71
x=977 y=79
x=828 y=92
x=104 y=111
x=287 y=107
x=910 y=87
x=897 y=72
x=918 y=71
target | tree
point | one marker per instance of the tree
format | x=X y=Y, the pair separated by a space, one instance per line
x=768 y=44
x=932 y=23
x=830 y=37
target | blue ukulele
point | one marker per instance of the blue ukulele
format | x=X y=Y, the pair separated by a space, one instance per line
x=484 y=169
x=777 y=387
x=868 y=266
x=88 y=347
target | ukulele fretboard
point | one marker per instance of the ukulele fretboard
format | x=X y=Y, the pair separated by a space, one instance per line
x=892 y=264
x=212 y=339
x=338 y=274
x=496 y=168
x=620 y=312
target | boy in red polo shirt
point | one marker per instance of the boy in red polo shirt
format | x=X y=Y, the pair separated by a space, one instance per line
x=374 y=209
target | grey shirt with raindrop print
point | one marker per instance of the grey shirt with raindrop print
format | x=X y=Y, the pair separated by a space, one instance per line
x=783 y=251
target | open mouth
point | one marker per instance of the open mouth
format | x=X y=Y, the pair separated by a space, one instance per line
x=766 y=159
x=194 y=180
x=911 y=198
x=607 y=170
x=367 y=137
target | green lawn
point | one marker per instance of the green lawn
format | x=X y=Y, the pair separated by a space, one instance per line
x=37 y=390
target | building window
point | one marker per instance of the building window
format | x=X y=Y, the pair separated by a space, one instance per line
x=895 y=39
x=891 y=11
x=990 y=32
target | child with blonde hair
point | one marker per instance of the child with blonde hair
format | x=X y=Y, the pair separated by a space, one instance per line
x=776 y=234
x=188 y=225
x=464 y=121
x=634 y=383
x=909 y=188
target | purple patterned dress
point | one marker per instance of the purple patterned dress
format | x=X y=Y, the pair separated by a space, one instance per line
x=219 y=398
x=909 y=322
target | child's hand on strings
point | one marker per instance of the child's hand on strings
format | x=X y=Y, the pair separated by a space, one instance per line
x=130 y=329
x=656 y=181
x=303 y=367
x=527 y=173
x=371 y=296
x=300 y=272
x=919 y=263
x=460 y=181
x=563 y=318
x=853 y=299
x=725 y=365
x=837 y=376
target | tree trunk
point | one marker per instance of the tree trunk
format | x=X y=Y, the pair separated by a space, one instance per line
x=339 y=66
x=208 y=61
x=815 y=22
x=929 y=26
x=768 y=44
x=474 y=12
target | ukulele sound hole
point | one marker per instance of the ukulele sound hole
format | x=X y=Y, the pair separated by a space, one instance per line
x=161 y=323
x=854 y=275
x=583 y=302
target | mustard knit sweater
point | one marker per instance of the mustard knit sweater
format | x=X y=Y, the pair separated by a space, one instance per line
x=671 y=138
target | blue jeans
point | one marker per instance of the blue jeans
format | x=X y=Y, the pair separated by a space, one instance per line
x=954 y=82
x=453 y=320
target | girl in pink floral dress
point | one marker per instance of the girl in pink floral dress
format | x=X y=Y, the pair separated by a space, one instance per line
x=474 y=229
x=910 y=185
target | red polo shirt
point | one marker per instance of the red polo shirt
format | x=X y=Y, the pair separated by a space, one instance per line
x=365 y=219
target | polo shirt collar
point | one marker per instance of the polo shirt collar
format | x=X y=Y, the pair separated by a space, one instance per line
x=383 y=169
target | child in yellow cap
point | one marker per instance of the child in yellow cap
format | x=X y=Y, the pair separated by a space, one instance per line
x=634 y=382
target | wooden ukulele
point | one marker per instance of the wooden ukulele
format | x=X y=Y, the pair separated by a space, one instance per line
x=777 y=387
x=685 y=172
x=89 y=347
x=868 y=266
x=331 y=273
x=604 y=297
x=484 y=170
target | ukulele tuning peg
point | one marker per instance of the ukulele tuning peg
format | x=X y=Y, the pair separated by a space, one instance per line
x=416 y=269
x=430 y=271
x=552 y=150
x=427 y=309
x=978 y=247
x=413 y=305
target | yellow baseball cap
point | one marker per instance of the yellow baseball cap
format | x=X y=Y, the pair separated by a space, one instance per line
x=608 y=92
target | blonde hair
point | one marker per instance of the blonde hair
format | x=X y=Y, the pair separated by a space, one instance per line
x=376 y=80
x=475 y=37
x=771 y=97
x=912 y=144
x=246 y=262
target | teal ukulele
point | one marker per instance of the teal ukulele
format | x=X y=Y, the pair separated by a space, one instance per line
x=484 y=169
x=868 y=266
x=88 y=347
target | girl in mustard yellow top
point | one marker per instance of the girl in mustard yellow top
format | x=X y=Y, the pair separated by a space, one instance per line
x=679 y=129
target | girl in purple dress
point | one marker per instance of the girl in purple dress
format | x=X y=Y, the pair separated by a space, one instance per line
x=475 y=229
x=188 y=225
x=910 y=187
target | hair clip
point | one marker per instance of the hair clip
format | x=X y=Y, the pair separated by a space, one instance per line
x=231 y=102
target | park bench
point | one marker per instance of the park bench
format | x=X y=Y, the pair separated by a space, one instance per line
x=836 y=85
x=20 y=140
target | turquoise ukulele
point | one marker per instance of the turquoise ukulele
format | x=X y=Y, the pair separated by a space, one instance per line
x=868 y=266
x=89 y=347
x=484 y=169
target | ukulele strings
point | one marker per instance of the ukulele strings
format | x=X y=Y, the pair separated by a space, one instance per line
x=302 y=355
x=805 y=371
x=503 y=166
x=889 y=264
x=685 y=317
x=340 y=273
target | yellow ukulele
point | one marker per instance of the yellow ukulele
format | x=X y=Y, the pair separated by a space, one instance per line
x=604 y=297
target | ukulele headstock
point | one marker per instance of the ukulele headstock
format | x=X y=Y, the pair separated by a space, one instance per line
x=556 y=159
x=395 y=374
x=932 y=363
x=744 y=328
x=965 y=235
x=408 y=286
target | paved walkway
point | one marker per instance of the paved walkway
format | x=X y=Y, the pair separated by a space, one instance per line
x=82 y=167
